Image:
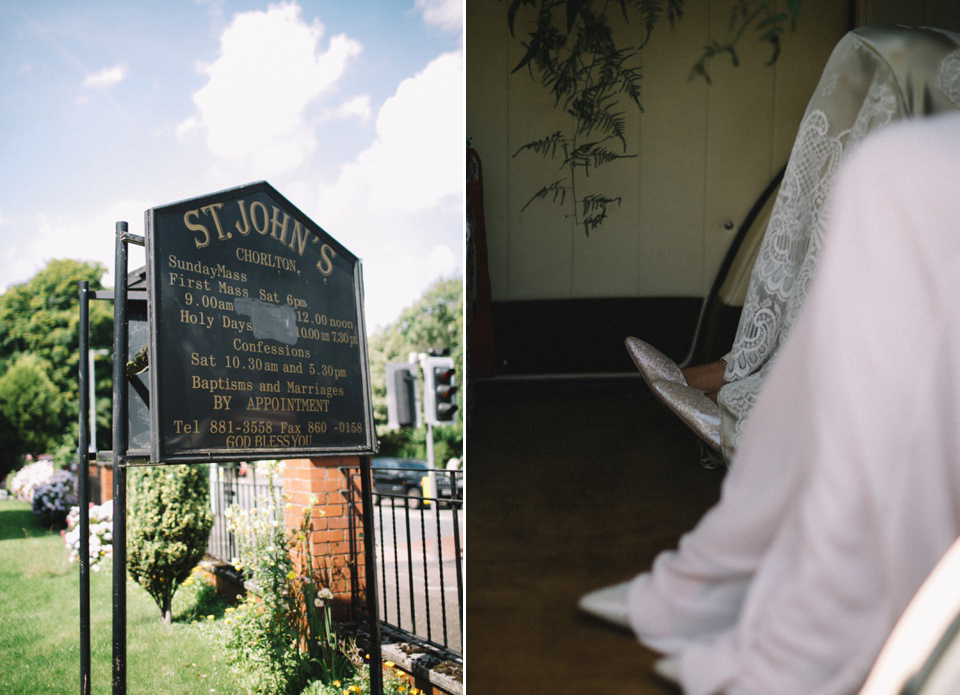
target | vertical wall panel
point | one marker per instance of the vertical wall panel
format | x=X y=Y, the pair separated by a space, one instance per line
x=740 y=134
x=604 y=261
x=673 y=142
x=487 y=69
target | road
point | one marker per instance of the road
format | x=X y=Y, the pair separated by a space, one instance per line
x=411 y=562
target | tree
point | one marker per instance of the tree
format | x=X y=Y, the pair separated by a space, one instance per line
x=28 y=405
x=435 y=321
x=41 y=317
x=168 y=525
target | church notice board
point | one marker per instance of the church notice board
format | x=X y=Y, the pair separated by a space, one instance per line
x=257 y=341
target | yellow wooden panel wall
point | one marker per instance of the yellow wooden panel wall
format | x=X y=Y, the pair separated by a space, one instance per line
x=705 y=153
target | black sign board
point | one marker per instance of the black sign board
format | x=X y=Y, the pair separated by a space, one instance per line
x=257 y=341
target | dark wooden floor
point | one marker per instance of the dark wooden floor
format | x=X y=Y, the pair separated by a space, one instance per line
x=573 y=485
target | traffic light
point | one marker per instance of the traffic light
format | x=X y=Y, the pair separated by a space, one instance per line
x=403 y=402
x=440 y=390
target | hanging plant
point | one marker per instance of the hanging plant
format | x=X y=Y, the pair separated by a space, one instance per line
x=570 y=50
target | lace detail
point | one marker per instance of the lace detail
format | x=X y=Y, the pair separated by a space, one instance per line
x=736 y=400
x=787 y=259
x=856 y=76
x=949 y=81
x=830 y=86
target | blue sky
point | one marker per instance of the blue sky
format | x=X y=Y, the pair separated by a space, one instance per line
x=352 y=110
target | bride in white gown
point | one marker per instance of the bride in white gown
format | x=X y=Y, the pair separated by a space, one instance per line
x=846 y=487
x=874 y=76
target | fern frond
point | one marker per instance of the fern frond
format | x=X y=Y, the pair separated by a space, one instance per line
x=546 y=147
x=595 y=210
x=556 y=190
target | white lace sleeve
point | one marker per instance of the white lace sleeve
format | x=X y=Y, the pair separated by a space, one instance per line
x=873 y=77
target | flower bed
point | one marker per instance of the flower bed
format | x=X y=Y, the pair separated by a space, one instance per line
x=29 y=477
x=101 y=534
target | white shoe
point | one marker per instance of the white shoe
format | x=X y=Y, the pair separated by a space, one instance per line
x=668 y=669
x=609 y=604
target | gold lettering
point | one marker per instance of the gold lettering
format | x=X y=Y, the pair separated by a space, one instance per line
x=274 y=223
x=253 y=217
x=212 y=211
x=325 y=264
x=243 y=218
x=298 y=241
x=198 y=360
x=199 y=228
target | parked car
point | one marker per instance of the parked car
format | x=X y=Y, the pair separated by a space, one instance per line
x=398 y=477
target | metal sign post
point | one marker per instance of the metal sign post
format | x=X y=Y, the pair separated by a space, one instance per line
x=370 y=559
x=120 y=403
x=83 y=490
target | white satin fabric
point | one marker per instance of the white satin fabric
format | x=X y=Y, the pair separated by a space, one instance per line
x=846 y=489
x=874 y=76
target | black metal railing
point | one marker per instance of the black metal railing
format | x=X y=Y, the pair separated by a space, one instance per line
x=419 y=560
x=231 y=484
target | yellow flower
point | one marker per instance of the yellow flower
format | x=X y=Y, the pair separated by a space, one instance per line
x=389 y=664
x=229 y=609
x=291 y=574
x=209 y=617
x=336 y=684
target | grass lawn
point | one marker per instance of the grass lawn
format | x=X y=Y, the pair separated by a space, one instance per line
x=40 y=624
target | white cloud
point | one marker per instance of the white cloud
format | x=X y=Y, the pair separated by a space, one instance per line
x=254 y=109
x=446 y=14
x=442 y=261
x=394 y=280
x=358 y=107
x=106 y=78
x=398 y=205
x=45 y=237
x=416 y=160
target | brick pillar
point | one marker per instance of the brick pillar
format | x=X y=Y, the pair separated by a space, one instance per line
x=334 y=545
x=104 y=474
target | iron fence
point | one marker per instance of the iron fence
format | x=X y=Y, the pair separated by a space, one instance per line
x=419 y=555
x=232 y=484
x=419 y=551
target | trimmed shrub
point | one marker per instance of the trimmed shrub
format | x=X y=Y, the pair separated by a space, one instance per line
x=168 y=525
